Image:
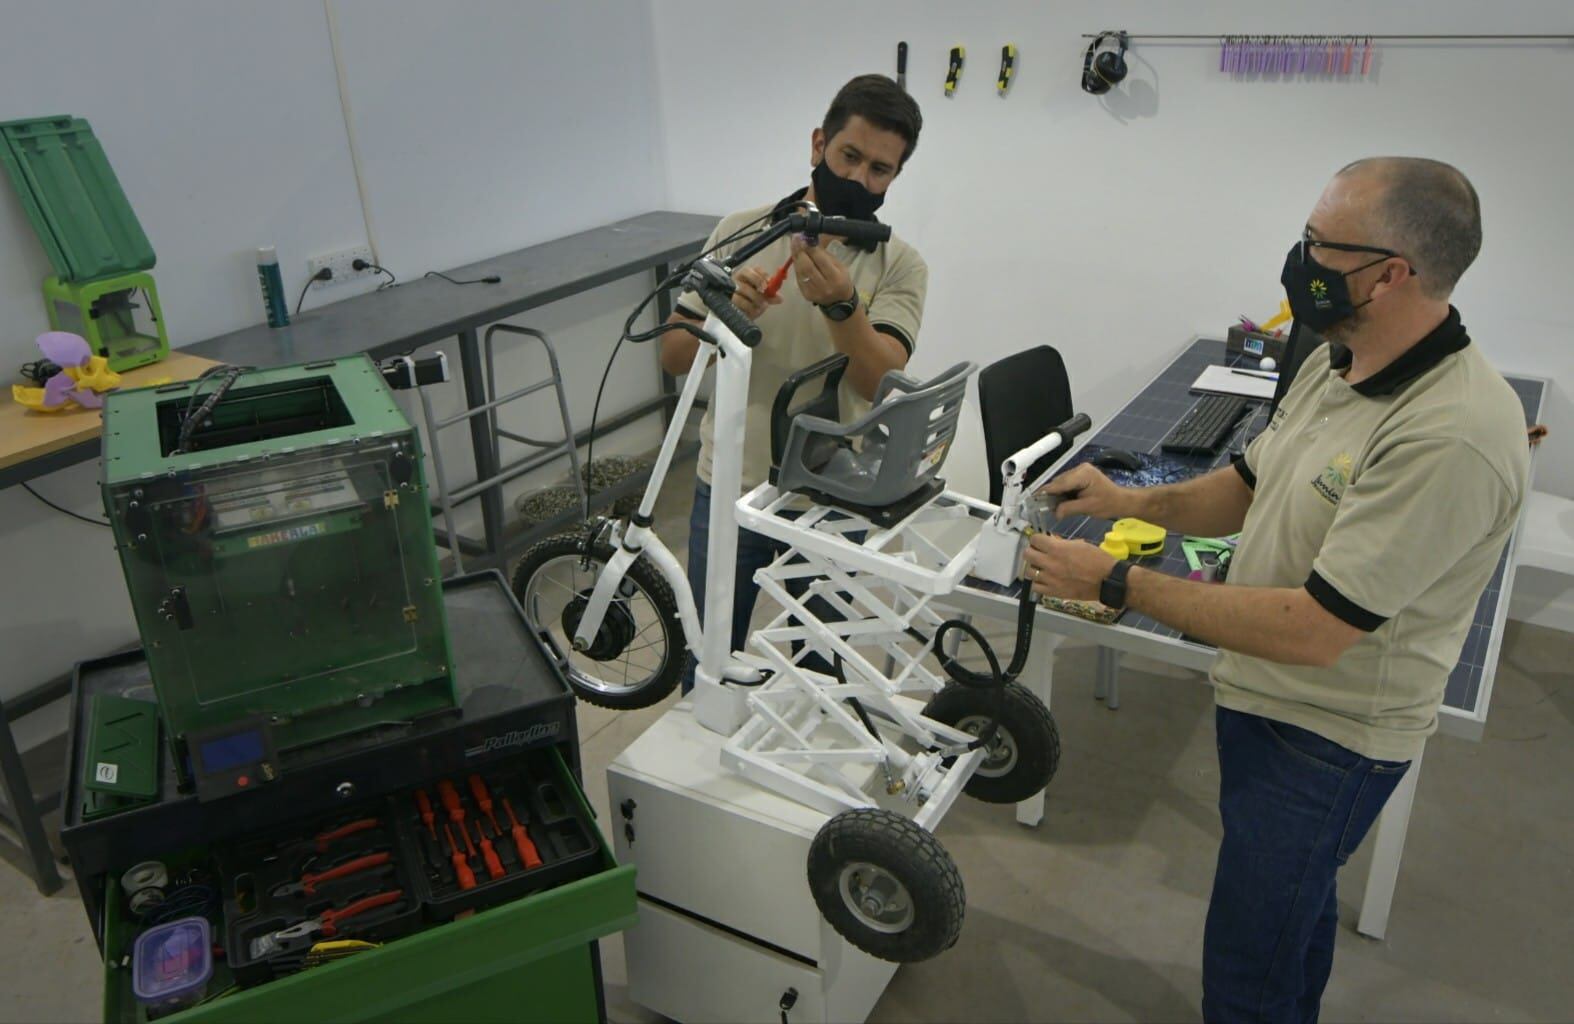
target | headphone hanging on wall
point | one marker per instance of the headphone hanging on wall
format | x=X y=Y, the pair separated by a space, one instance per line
x=1102 y=71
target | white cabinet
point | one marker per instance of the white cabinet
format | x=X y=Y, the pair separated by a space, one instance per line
x=727 y=925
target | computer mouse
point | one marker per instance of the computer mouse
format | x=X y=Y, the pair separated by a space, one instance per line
x=1117 y=458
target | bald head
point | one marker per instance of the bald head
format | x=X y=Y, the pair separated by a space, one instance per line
x=1425 y=210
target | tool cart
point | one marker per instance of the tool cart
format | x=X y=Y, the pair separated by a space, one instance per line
x=329 y=785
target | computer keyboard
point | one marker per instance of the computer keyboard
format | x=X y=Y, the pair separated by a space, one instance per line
x=1204 y=429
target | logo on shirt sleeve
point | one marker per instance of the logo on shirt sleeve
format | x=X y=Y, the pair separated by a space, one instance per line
x=1334 y=478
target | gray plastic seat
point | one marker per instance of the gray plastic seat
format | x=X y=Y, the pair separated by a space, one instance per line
x=886 y=463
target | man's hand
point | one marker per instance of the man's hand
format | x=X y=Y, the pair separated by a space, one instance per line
x=750 y=297
x=821 y=277
x=1071 y=569
x=1087 y=492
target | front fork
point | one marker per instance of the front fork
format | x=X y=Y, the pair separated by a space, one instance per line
x=628 y=545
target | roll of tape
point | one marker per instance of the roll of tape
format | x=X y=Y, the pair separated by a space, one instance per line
x=144 y=900
x=150 y=874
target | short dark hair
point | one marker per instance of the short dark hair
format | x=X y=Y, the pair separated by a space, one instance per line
x=880 y=101
x=1430 y=214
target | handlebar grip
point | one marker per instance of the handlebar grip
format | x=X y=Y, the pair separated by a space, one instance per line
x=720 y=303
x=855 y=230
x=1074 y=426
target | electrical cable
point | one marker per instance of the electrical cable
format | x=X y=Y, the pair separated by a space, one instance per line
x=488 y=279
x=187 y=901
x=193 y=420
x=747 y=230
x=65 y=511
x=359 y=265
x=325 y=274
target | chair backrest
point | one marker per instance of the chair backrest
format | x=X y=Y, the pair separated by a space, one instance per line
x=1020 y=399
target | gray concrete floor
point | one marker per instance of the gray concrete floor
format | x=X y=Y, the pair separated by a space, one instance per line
x=1097 y=914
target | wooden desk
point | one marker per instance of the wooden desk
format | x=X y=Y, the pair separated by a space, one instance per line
x=26 y=435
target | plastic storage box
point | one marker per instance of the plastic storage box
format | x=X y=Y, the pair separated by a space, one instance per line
x=171 y=965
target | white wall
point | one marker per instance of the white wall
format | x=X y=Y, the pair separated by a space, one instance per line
x=484 y=127
x=1116 y=229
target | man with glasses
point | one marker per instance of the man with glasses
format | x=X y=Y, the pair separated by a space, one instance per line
x=1372 y=513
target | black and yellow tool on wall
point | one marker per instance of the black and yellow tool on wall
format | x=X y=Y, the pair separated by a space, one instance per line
x=1008 y=68
x=953 y=73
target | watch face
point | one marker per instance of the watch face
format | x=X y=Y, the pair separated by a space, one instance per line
x=841 y=310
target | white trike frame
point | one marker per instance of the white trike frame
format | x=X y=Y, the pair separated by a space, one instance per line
x=789 y=728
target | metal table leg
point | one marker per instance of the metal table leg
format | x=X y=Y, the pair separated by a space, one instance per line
x=1038 y=678
x=28 y=822
x=1106 y=679
x=1388 y=848
x=483 y=441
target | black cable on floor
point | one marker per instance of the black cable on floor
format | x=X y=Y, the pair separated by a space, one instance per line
x=64 y=511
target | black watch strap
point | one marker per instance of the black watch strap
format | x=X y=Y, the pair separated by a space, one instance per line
x=1112 y=592
x=843 y=309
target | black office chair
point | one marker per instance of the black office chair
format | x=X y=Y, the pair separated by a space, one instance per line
x=1020 y=399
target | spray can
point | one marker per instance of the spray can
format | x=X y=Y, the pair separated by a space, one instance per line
x=272 y=287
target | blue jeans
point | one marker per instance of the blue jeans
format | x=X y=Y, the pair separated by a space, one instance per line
x=755 y=551
x=1295 y=807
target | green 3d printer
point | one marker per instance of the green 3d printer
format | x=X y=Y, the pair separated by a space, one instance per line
x=276 y=538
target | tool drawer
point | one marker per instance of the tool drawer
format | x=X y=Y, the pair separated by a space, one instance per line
x=512 y=948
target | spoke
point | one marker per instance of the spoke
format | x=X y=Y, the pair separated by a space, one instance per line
x=560 y=583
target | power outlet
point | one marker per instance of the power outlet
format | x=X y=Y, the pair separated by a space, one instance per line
x=342 y=265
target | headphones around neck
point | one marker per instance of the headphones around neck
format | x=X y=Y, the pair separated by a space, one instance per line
x=1102 y=71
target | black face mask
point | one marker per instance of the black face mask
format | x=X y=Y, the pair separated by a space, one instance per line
x=837 y=196
x=1319 y=296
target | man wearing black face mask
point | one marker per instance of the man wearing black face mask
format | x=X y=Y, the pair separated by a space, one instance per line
x=864 y=302
x=1372 y=514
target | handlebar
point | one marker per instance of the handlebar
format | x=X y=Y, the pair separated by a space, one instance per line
x=812 y=222
x=712 y=281
x=720 y=303
x=712 y=284
x=1023 y=460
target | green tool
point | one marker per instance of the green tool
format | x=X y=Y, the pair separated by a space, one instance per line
x=92 y=238
x=120 y=761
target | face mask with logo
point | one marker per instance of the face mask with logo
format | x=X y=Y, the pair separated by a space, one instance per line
x=1320 y=296
x=837 y=196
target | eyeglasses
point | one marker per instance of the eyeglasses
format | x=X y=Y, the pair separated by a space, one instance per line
x=1308 y=242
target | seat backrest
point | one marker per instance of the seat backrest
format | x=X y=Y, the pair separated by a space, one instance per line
x=892 y=452
x=1020 y=399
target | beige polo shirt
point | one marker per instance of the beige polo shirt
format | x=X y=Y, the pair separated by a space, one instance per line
x=1390 y=502
x=891 y=281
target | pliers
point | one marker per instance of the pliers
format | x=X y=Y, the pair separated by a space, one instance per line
x=326 y=925
x=308 y=884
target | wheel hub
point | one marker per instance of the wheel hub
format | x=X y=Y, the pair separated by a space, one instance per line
x=878 y=898
x=616 y=632
x=1000 y=753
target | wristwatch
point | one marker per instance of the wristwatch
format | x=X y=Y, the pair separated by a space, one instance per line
x=840 y=311
x=1112 y=592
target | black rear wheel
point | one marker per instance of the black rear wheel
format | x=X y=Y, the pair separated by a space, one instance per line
x=1022 y=756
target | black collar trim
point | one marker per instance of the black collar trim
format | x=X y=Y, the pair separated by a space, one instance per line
x=1446 y=339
